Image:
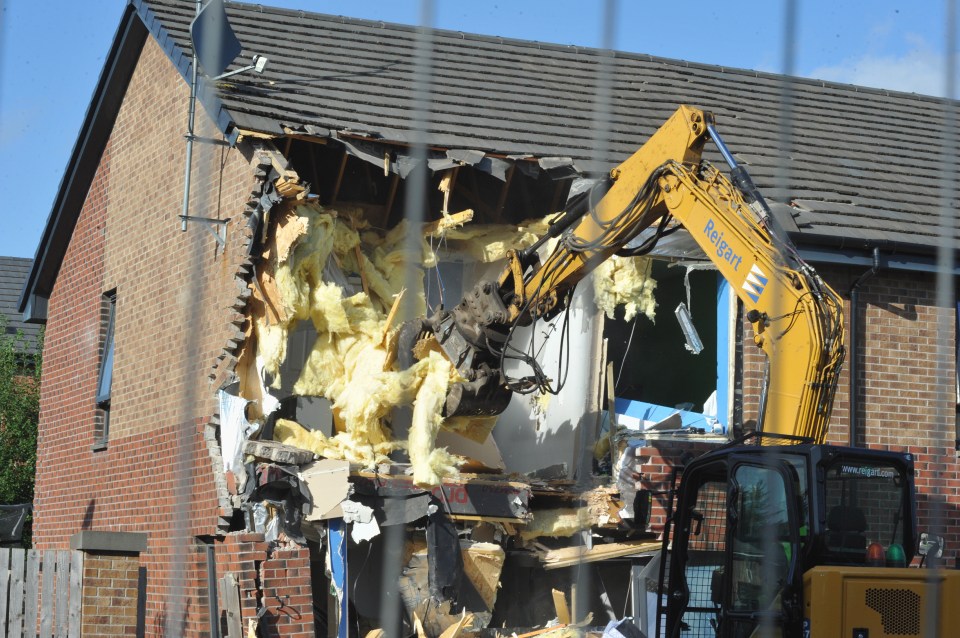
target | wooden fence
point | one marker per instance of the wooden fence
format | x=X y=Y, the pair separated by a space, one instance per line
x=40 y=593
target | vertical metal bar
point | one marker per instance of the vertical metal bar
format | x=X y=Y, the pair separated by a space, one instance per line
x=781 y=192
x=638 y=593
x=586 y=434
x=182 y=527
x=191 y=120
x=415 y=208
x=945 y=360
x=213 y=604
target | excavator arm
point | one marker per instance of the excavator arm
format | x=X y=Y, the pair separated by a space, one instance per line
x=664 y=185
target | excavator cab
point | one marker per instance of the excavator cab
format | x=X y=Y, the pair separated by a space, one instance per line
x=750 y=521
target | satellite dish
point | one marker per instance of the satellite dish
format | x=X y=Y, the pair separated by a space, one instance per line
x=214 y=42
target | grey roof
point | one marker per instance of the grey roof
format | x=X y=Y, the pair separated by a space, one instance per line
x=13 y=273
x=864 y=164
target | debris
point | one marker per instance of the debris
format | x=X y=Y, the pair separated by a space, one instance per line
x=560 y=605
x=482 y=565
x=337 y=571
x=446 y=223
x=556 y=523
x=623 y=628
x=277 y=452
x=569 y=556
x=454 y=631
x=290 y=229
x=628 y=471
x=363 y=524
x=490 y=242
x=557 y=471
x=470 y=497
x=280 y=487
x=329 y=485
x=483 y=456
x=234 y=431
x=558 y=631
x=431 y=464
x=444 y=560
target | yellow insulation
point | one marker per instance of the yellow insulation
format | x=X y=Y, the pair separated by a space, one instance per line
x=625 y=281
x=430 y=464
x=556 y=523
x=490 y=242
x=349 y=363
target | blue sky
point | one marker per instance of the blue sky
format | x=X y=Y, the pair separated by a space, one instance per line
x=51 y=54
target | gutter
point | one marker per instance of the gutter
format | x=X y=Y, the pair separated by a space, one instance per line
x=844 y=251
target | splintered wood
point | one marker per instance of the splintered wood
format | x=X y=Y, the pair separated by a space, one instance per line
x=570 y=556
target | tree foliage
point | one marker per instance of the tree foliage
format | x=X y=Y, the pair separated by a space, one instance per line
x=20 y=367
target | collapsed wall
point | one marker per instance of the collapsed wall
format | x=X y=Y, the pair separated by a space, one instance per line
x=326 y=278
x=304 y=277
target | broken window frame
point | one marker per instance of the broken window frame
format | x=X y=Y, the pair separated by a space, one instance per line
x=726 y=335
x=108 y=312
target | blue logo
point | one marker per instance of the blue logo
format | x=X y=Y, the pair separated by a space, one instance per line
x=755 y=283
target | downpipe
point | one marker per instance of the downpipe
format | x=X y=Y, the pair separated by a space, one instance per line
x=855 y=343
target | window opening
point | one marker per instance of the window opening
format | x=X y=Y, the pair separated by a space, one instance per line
x=659 y=376
x=105 y=377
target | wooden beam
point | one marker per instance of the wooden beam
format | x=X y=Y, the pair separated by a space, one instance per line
x=394 y=183
x=502 y=201
x=336 y=186
x=570 y=556
x=560 y=606
x=447 y=222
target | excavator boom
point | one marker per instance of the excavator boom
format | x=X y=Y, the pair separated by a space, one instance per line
x=797 y=318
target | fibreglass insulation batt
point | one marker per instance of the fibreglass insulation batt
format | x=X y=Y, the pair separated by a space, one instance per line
x=347 y=361
x=625 y=281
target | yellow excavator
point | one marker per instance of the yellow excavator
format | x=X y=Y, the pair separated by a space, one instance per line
x=773 y=535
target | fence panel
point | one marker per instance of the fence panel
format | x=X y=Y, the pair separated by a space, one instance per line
x=46 y=595
x=32 y=586
x=44 y=586
x=17 y=584
x=63 y=593
x=76 y=596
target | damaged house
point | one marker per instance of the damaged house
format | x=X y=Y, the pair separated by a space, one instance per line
x=226 y=425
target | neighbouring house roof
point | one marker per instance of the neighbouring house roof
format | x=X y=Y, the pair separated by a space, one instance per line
x=13 y=273
x=864 y=166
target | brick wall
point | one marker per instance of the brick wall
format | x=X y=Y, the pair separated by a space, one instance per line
x=243 y=554
x=657 y=473
x=279 y=583
x=288 y=595
x=174 y=296
x=109 y=606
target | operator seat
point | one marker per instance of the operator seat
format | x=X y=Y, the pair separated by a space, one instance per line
x=846 y=527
